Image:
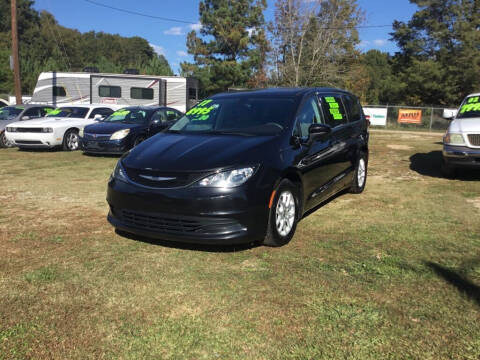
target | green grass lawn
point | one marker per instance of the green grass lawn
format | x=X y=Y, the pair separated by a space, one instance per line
x=393 y=273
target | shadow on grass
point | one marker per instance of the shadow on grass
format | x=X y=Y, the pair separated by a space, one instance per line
x=462 y=284
x=93 y=155
x=189 y=246
x=429 y=164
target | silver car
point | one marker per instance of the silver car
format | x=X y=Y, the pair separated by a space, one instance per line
x=13 y=113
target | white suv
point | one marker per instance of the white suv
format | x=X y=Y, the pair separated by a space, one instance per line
x=59 y=128
x=461 y=143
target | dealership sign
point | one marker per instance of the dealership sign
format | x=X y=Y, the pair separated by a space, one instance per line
x=410 y=116
x=378 y=116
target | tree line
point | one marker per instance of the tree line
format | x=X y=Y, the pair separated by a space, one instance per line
x=44 y=45
x=307 y=43
x=316 y=43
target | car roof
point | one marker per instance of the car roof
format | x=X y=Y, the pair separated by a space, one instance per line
x=144 y=107
x=280 y=92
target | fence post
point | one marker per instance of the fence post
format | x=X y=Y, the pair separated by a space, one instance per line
x=431 y=119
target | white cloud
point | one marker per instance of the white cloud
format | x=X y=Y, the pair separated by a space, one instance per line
x=182 y=53
x=158 y=49
x=364 y=43
x=380 y=42
x=176 y=30
x=196 y=26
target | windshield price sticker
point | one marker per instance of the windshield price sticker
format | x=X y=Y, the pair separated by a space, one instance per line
x=202 y=110
x=334 y=107
x=54 y=112
x=473 y=104
x=121 y=113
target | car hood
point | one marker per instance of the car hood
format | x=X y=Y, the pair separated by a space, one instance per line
x=109 y=127
x=465 y=125
x=176 y=152
x=41 y=122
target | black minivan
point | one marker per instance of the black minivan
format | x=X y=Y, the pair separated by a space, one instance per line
x=242 y=167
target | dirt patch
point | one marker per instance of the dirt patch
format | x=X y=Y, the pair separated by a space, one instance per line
x=399 y=147
x=475 y=202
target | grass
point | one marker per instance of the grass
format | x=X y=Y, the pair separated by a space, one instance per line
x=393 y=273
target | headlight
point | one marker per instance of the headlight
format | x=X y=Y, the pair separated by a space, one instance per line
x=80 y=133
x=47 y=130
x=228 y=179
x=454 y=139
x=119 y=134
x=119 y=172
x=11 y=129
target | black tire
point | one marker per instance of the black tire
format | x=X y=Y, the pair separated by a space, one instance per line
x=71 y=141
x=4 y=143
x=448 y=171
x=357 y=184
x=138 y=140
x=273 y=237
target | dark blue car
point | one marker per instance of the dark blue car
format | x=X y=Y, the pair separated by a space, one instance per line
x=126 y=128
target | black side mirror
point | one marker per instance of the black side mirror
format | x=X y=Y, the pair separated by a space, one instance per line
x=156 y=122
x=316 y=131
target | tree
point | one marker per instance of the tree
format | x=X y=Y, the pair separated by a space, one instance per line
x=231 y=50
x=313 y=42
x=439 y=56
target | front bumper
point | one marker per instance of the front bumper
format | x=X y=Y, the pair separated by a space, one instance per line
x=190 y=214
x=116 y=147
x=461 y=156
x=34 y=140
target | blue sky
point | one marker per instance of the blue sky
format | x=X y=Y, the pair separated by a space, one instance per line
x=169 y=37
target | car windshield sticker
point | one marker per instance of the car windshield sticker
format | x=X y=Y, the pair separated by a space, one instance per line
x=334 y=107
x=20 y=107
x=54 y=112
x=202 y=111
x=472 y=104
x=120 y=113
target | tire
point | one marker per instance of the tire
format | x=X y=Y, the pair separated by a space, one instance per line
x=4 y=143
x=138 y=140
x=282 y=225
x=448 y=171
x=71 y=140
x=360 y=175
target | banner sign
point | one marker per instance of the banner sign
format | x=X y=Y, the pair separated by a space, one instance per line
x=406 y=116
x=378 y=116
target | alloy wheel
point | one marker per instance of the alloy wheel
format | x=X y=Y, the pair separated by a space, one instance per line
x=285 y=213
x=72 y=141
x=361 y=172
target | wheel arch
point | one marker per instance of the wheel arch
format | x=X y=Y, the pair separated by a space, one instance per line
x=295 y=179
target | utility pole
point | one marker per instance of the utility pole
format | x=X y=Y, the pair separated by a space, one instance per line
x=16 y=64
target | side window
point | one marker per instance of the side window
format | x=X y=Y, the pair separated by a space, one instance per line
x=308 y=114
x=141 y=93
x=353 y=108
x=100 y=111
x=172 y=115
x=160 y=115
x=109 y=91
x=333 y=109
x=32 y=113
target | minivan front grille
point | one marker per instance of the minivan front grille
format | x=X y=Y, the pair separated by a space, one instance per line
x=161 y=179
x=474 y=139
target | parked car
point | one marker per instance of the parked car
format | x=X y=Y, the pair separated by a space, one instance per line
x=241 y=167
x=11 y=114
x=461 y=143
x=59 y=128
x=126 y=128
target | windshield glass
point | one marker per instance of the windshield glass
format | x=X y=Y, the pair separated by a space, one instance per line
x=243 y=115
x=9 y=112
x=129 y=116
x=69 y=112
x=470 y=108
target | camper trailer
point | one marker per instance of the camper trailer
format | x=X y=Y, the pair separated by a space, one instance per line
x=73 y=88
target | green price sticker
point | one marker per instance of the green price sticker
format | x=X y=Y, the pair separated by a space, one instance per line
x=121 y=113
x=54 y=112
x=202 y=110
x=470 y=107
x=330 y=99
x=473 y=100
x=20 y=107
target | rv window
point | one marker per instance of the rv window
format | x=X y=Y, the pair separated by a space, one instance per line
x=141 y=93
x=109 y=91
x=192 y=94
x=59 y=91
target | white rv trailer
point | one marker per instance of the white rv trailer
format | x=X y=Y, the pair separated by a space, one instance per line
x=69 y=88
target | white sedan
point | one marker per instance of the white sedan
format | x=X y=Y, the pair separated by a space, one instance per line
x=59 y=128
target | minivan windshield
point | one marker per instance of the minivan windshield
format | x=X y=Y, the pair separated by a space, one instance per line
x=242 y=115
x=9 y=112
x=470 y=108
x=69 y=112
x=129 y=116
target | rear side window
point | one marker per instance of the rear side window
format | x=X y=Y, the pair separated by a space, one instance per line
x=353 y=108
x=109 y=91
x=173 y=115
x=100 y=111
x=33 y=113
x=333 y=109
x=141 y=93
x=59 y=91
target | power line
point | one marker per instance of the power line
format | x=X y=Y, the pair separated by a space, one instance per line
x=139 y=13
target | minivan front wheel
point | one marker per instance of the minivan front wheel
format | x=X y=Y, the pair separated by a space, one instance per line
x=360 y=175
x=283 y=216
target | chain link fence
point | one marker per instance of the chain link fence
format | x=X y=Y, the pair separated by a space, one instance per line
x=431 y=118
